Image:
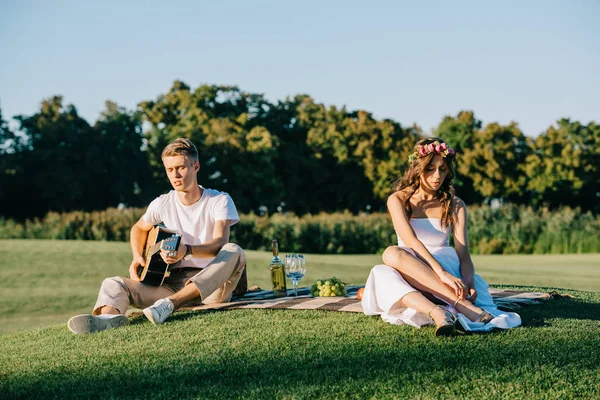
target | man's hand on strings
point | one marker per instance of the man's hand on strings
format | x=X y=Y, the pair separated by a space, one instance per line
x=171 y=257
x=138 y=261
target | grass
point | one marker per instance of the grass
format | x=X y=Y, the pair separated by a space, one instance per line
x=285 y=354
x=309 y=354
x=43 y=282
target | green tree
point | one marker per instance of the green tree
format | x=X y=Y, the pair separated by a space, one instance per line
x=293 y=155
x=459 y=133
x=307 y=178
x=563 y=166
x=495 y=162
x=590 y=190
x=58 y=165
x=127 y=175
x=6 y=135
x=236 y=154
x=380 y=148
x=280 y=156
x=374 y=151
x=9 y=162
x=337 y=180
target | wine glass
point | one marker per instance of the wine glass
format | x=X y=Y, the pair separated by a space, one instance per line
x=294 y=266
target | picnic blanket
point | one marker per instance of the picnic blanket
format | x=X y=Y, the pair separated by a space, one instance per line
x=504 y=298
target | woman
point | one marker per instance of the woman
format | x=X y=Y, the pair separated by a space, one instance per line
x=423 y=270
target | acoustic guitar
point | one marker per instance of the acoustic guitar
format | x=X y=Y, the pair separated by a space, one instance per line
x=156 y=270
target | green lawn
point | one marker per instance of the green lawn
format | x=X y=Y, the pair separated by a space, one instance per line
x=264 y=354
x=44 y=282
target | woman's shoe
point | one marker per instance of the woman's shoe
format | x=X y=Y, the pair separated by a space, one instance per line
x=447 y=327
x=483 y=316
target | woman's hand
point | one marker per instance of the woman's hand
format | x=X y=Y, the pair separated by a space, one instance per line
x=471 y=291
x=454 y=283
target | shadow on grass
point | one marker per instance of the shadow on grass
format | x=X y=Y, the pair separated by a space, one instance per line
x=138 y=318
x=533 y=315
x=562 y=308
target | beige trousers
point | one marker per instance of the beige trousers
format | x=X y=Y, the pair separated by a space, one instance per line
x=215 y=283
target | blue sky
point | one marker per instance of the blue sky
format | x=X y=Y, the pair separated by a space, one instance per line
x=531 y=62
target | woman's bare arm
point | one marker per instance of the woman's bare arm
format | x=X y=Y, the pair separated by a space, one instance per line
x=461 y=245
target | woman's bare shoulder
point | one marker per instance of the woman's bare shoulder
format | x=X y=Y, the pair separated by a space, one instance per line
x=457 y=204
x=401 y=195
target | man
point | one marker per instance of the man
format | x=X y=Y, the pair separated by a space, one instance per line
x=206 y=266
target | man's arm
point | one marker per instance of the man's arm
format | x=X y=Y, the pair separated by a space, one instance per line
x=212 y=247
x=137 y=240
x=205 y=250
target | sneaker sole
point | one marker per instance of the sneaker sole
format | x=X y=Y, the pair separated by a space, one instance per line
x=150 y=316
x=87 y=323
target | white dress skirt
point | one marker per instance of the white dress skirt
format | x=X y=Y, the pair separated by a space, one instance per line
x=385 y=286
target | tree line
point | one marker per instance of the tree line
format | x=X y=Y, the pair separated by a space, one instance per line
x=293 y=155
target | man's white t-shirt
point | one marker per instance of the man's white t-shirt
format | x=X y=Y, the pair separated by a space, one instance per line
x=195 y=223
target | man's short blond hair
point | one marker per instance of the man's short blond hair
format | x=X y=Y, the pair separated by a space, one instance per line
x=180 y=147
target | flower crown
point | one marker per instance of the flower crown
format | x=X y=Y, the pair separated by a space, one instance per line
x=435 y=147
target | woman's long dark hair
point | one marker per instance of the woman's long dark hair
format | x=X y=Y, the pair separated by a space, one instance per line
x=411 y=180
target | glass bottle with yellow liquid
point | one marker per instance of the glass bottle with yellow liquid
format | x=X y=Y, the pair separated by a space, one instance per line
x=277 y=273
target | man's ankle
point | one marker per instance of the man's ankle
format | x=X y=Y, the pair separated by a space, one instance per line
x=108 y=310
x=107 y=316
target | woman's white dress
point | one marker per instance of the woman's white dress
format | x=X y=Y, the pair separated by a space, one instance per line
x=385 y=286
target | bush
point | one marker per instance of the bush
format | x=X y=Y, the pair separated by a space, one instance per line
x=506 y=230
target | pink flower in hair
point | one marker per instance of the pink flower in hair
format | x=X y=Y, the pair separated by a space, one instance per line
x=435 y=147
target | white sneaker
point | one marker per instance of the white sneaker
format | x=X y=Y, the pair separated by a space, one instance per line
x=88 y=323
x=159 y=311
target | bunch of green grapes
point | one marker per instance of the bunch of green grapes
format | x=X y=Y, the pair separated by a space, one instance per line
x=328 y=287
